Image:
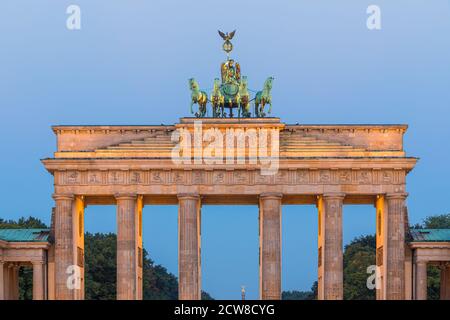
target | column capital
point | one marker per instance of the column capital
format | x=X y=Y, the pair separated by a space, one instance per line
x=60 y=196
x=271 y=195
x=397 y=195
x=420 y=261
x=125 y=196
x=37 y=262
x=334 y=195
x=188 y=196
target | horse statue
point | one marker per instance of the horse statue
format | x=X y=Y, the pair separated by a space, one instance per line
x=217 y=100
x=262 y=98
x=244 y=99
x=199 y=97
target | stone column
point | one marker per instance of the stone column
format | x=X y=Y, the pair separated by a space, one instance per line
x=38 y=280
x=270 y=246
x=127 y=273
x=189 y=252
x=14 y=282
x=65 y=265
x=395 y=259
x=7 y=279
x=330 y=250
x=445 y=282
x=2 y=281
x=421 y=281
x=9 y=273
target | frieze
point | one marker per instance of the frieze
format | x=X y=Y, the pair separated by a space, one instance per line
x=231 y=177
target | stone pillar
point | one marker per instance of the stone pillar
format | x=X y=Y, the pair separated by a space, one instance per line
x=7 y=279
x=2 y=281
x=38 y=280
x=66 y=280
x=127 y=255
x=445 y=282
x=270 y=246
x=78 y=244
x=331 y=278
x=139 y=247
x=395 y=255
x=421 y=281
x=14 y=282
x=10 y=281
x=381 y=245
x=189 y=251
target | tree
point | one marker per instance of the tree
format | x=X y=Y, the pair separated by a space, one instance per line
x=301 y=295
x=358 y=256
x=206 y=296
x=22 y=223
x=437 y=222
x=100 y=266
x=297 y=295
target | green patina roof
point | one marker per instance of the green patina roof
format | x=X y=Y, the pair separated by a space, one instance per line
x=24 y=235
x=421 y=235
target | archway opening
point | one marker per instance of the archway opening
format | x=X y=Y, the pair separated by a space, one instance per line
x=299 y=253
x=100 y=243
x=160 y=242
x=230 y=251
x=359 y=227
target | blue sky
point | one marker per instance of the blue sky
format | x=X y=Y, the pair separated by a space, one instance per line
x=130 y=62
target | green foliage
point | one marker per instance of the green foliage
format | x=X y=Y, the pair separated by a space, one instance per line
x=100 y=266
x=22 y=223
x=158 y=283
x=437 y=222
x=206 y=296
x=433 y=283
x=301 y=295
x=25 y=283
x=315 y=289
x=358 y=256
x=297 y=295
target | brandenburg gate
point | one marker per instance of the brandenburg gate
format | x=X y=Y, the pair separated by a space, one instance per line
x=133 y=166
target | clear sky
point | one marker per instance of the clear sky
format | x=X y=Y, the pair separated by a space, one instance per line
x=130 y=62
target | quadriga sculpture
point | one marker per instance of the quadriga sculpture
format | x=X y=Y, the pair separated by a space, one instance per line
x=262 y=98
x=199 y=97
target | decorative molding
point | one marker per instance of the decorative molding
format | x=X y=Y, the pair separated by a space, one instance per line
x=231 y=177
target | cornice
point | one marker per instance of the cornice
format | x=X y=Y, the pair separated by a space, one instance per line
x=430 y=245
x=57 y=129
x=53 y=164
